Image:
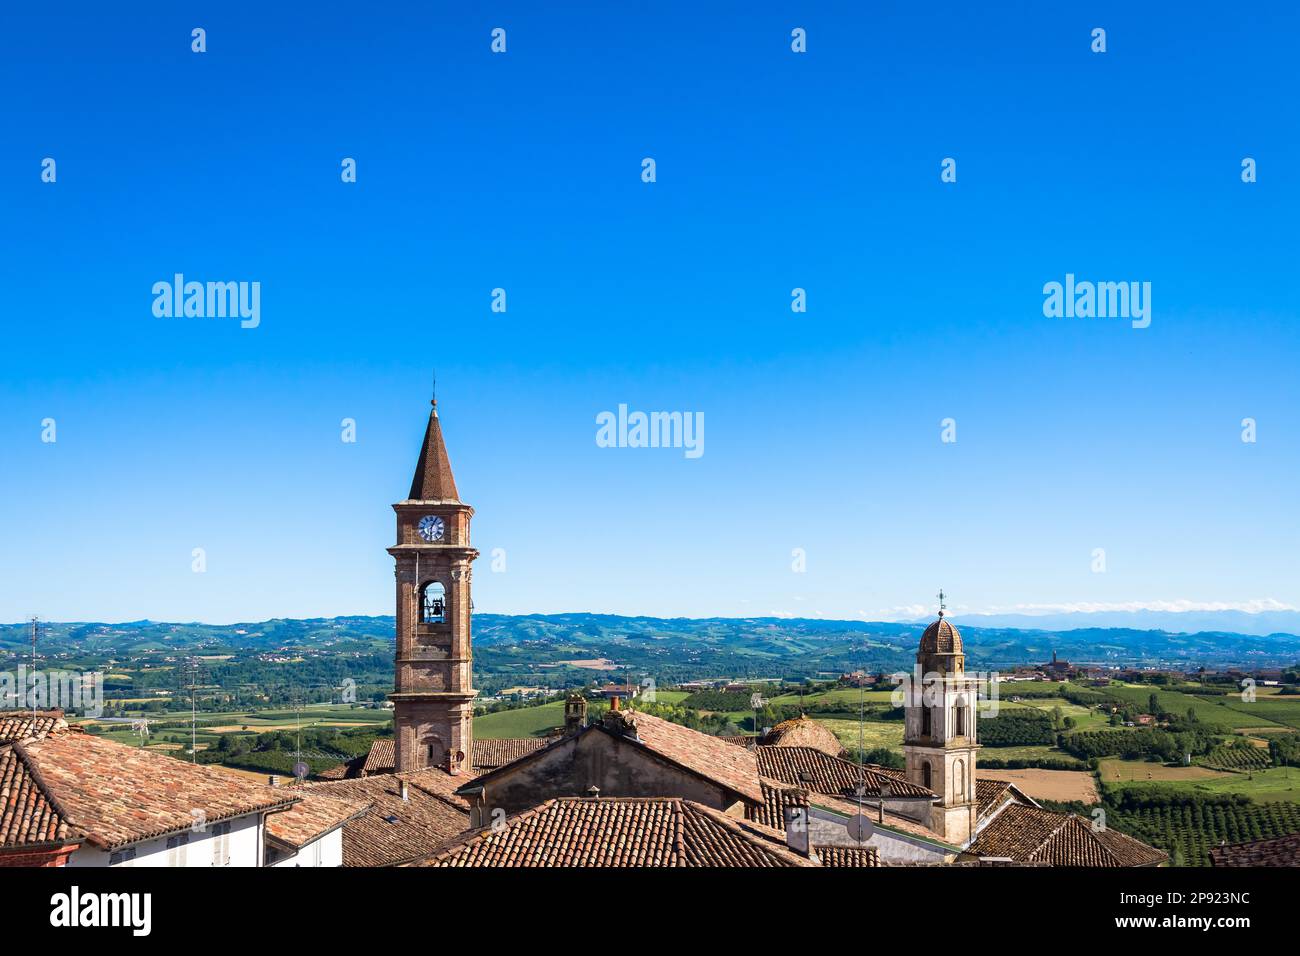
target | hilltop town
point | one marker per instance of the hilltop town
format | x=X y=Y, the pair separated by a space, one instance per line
x=1047 y=764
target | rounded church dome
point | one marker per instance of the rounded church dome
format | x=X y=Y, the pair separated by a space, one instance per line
x=941 y=649
x=941 y=638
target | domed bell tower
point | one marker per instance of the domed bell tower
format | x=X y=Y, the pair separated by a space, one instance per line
x=939 y=738
x=434 y=693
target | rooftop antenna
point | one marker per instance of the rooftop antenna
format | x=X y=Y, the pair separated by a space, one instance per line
x=141 y=727
x=862 y=757
x=192 y=673
x=862 y=753
x=36 y=626
x=758 y=702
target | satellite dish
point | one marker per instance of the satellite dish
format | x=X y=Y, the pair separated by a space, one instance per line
x=861 y=828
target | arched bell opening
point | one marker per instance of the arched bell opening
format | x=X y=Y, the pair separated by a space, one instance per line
x=433 y=603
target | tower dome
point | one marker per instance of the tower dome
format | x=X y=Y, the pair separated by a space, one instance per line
x=941 y=648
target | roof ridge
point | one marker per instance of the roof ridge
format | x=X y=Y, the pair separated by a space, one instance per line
x=484 y=831
x=773 y=840
x=1043 y=844
x=43 y=786
x=679 y=832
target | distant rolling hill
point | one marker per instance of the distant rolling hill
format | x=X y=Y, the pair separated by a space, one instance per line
x=523 y=647
x=1260 y=623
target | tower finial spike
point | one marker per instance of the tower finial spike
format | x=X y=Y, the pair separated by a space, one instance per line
x=434 y=397
x=941 y=604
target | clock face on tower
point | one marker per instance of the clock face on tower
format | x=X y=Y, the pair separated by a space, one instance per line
x=431 y=528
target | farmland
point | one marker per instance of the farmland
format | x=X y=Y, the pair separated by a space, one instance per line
x=880 y=733
x=521 y=722
x=1060 y=785
x=1225 y=712
x=1188 y=827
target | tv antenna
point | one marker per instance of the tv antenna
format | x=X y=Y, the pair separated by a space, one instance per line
x=140 y=726
x=758 y=702
x=36 y=628
x=300 y=769
x=191 y=674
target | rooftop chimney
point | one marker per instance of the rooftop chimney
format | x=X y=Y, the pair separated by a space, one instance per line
x=593 y=792
x=614 y=703
x=575 y=713
x=796 y=829
x=404 y=790
x=274 y=780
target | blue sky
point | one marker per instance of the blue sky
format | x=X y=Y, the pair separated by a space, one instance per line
x=775 y=170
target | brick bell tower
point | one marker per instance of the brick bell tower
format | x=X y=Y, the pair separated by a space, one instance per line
x=433 y=712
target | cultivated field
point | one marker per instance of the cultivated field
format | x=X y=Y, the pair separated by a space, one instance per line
x=1114 y=770
x=1059 y=785
x=875 y=733
x=849 y=697
x=594 y=664
x=1085 y=718
x=522 y=722
x=1225 y=712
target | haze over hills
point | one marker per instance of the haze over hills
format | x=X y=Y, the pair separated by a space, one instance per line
x=1264 y=622
x=556 y=649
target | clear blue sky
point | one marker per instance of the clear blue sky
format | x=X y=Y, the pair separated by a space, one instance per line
x=775 y=171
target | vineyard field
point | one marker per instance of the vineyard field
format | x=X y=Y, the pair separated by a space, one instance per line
x=1237 y=757
x=1188 y=832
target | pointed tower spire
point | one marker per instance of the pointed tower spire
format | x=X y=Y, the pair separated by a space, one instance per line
x=433 y=480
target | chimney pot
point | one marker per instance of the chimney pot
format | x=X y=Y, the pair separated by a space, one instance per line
x=614 y=703
x=593 y=792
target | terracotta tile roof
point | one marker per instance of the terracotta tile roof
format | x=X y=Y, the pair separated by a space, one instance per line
x=120 y=795
x=847 y=856
x=710 y=757
x=381 y=758
x=989 y=794
x=1034 y=835
x=344 y=771
x=704 y=755
x=778 y=796
x=619 y=832
x=310 y=818
x=30 y=816
x=740 y=740
x=490 y=754
x=1280 y=851
x=19 y=725
x=433 y=480
x=893 y=821
x=394 y=830
x=803 y=731
x=834 y=776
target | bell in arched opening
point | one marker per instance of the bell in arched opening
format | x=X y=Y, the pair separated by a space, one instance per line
x=433 y=604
